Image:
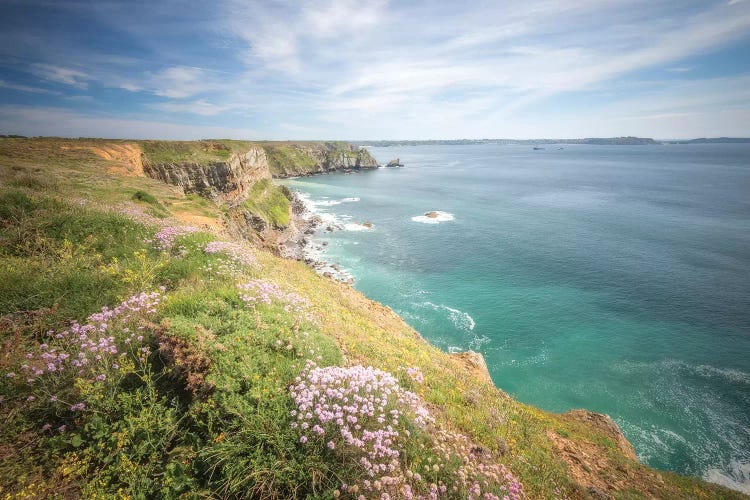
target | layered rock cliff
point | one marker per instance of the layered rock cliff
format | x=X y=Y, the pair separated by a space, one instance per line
x=227 y=181
x=308 y=158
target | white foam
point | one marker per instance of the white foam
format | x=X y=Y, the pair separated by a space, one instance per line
x=737 y=478
x=461 y=320
x=441 y=217
x=350 y=200
x=326 y=203
x=357 y=227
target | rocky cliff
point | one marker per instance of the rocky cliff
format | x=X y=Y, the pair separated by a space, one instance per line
x=308 y=158
x=228 y=180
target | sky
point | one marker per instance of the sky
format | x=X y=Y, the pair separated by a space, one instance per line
x=357 y=70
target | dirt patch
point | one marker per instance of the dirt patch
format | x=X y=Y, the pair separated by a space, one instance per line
x=201 y=221
x=126 y=158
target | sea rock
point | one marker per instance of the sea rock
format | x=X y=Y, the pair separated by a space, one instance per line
x=367 y=224
x=432 y=215
x=394 y=163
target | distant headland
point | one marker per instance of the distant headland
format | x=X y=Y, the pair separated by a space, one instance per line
x=602 y=141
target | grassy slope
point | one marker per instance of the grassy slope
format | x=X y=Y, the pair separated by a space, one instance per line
x=148 y=432
x=269 y=202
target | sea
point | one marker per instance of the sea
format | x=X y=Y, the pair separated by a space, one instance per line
x=611 y=278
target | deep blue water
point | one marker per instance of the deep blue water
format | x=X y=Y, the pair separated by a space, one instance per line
x=613 y=278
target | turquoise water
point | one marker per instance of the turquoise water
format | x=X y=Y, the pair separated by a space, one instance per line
x=613 y=278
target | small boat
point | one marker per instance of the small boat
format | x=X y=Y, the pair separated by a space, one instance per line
x=536 y=148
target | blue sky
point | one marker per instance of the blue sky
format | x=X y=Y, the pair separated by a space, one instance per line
x=341 y=69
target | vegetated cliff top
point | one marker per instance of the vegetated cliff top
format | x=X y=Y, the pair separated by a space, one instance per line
x=286 y=158
x=203 y=387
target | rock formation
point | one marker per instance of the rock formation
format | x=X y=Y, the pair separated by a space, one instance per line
x=222 y=180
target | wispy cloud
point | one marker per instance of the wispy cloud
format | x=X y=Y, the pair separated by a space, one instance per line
x=48 y=121
x=26 y=88
x=197 y=107
x=59 y=74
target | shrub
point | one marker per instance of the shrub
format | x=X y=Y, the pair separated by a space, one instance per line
x=145 y=197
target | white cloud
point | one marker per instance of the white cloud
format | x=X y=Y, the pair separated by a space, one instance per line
x=174 y=82
x=26 y=88
x=197 y=107
x=59 y=74
x=64 y=123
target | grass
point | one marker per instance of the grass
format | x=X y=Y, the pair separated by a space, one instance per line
x=212 y=150
x=205 y=411
x=286 y=159
x=269 y=202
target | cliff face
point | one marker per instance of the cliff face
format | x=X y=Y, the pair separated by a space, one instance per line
x=294 y=159
x=227 y=180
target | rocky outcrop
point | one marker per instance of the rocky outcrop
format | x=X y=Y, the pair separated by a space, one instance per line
x=309 y=158
x=226 y=181
x=604 y=424
x=474 y=363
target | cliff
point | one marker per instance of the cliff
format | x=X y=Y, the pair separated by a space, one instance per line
x=228 y=180
x=237 y=175
x=308 y=158
x=198 y=376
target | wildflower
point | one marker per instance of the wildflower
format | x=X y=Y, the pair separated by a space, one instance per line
x=303 y=439
x=78 y=407
x=46 y=427
x=101 y=377
x=11 y=375
x=331 y=445
x=53 y=399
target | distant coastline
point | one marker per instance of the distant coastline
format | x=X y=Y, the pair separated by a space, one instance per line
x=599 y=141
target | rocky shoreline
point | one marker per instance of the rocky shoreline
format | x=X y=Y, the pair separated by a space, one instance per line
x=300 y=245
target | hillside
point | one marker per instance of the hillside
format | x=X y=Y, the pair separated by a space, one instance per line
x=155 y=346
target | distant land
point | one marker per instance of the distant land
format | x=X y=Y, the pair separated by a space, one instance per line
x=604 y=141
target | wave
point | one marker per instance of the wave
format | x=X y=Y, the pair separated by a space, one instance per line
x=438 y=218
x=352 y=226
x=736 y=478
x=671 y=365
x=350 y=200
x=461 y=320
x=326 y=203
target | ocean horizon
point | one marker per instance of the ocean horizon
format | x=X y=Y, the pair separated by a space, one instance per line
x=612 y=278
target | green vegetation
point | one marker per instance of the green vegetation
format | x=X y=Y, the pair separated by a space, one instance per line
x=192 y=151
x=190 y=396
x=269 y=202
x=287 y=160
